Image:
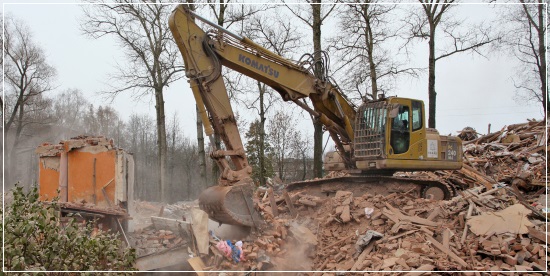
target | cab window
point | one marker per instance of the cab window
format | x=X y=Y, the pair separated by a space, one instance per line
x=400 y=131
x=401 y=122
x=416 y=115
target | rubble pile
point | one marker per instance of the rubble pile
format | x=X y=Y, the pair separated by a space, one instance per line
x=496 y=222
x=399 y=232
x=516 y=154
x=148 y=241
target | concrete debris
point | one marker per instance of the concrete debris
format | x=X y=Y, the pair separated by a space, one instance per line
x=510 y=220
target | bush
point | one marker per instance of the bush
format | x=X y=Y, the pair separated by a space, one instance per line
x=36 y=240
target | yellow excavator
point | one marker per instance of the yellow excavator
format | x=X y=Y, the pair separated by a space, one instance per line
x=373 y=141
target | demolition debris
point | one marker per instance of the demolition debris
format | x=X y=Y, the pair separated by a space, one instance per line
x=495 y=223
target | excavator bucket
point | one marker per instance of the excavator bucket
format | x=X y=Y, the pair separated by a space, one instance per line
x=231 y=204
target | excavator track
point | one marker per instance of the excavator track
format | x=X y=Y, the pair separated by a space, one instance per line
x=234 y=205
x=360 y=184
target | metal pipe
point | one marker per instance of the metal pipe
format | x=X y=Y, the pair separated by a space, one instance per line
x=330 y=124
x=220 y=28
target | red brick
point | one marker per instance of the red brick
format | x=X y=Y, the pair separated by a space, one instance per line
x=517 y=247
x=496 y=252
x=523 y=268
x=510 y=260
x=535 y=249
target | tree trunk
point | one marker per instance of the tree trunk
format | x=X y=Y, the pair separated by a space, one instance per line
x=304 y=163
x=317 y=125
x=370 y=49
x=13 y=175
x=261 y=156
x=161 y=142
x=542 y=54
x=172 y=187
x=431 y=78
x=202 y=157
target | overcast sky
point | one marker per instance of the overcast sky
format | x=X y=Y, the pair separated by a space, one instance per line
x=472 y=90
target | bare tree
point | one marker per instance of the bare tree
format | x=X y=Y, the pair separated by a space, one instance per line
x=227 y=14
x=300 y=149
x=258 y=152
x=526 y=27
x=363 y=43
x=108 y=122
x=141 y=137
x=314 y=16
x=434 y=18
x=282 y=38
x=281 y=133
x=152 y=56
x=289 y=147
x=27 y=76
x=26 y=72
x=70 y=110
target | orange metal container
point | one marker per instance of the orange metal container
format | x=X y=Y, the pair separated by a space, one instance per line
x=94 y=173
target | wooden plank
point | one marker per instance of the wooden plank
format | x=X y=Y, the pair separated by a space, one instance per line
x=468 y=215
x=434 y=214
x=197 y=265
x=273 y=203
x=473 y=173
x=200 y=230
x=359 y=263
x=390 y=215
x=337 y=242
x=538 y=234
x=290 y=205
x=398 y=236
x=413 y=219
x=447 y=251
x=446 y=236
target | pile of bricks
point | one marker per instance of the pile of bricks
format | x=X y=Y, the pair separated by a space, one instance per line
x=418 y=234
x=516 y=154
x=396 y=232
x=149 y=241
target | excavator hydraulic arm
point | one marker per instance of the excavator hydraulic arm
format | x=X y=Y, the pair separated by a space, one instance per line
x=204 y=54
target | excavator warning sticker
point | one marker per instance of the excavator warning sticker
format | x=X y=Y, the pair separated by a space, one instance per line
x=432 y=149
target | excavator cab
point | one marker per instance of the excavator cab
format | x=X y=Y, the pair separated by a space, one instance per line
x=391 y=135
